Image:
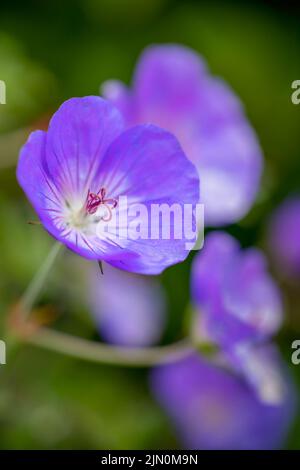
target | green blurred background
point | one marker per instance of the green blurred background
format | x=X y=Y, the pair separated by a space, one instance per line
x=52 y=50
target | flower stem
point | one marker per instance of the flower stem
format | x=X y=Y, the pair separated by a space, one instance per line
x=86 y=349
x=30 y=295
x=107 y=354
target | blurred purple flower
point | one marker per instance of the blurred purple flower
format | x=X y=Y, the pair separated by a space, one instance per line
x=75 y=173
x=173 y=89
x=237 y=299
x=129 y=309
x=262 y=368
x=214 y=409
x=285 y=236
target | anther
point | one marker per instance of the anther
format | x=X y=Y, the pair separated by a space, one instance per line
x=93 y=201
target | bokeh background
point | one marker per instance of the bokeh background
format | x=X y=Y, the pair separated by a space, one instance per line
x=52 y=50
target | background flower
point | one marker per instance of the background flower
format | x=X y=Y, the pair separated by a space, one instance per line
x=173 y=89
x=237 y=299
x=129 y=309
x=213 y=409
x=284 y=236
x=51 y=401
x=261 y=366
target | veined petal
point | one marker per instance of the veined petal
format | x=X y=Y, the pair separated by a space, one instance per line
x=147 y=165
x=84 y=164
x=78 y=136
x=41 y=191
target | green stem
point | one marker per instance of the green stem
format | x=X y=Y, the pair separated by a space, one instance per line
x=29 y=297
x=107 y=354
x=92 y=350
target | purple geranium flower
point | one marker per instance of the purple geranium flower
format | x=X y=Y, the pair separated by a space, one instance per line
x=214 y=409
x=285 y=236
x=173 y=89
x=237 y=299
x=75 y=173
x=129 y=309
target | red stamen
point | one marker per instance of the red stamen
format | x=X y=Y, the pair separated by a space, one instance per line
x=93 y=201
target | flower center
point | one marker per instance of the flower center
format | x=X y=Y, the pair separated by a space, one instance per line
x=88 y=213
x=93 y=201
